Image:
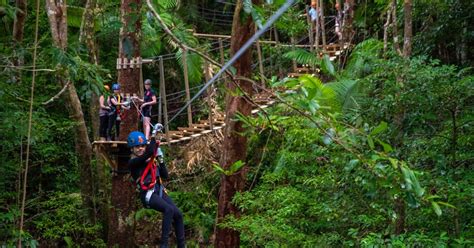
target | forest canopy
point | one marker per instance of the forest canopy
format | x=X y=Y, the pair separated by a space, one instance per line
x=355 y=129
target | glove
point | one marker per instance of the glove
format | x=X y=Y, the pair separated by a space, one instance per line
x=126 y=105
x=160 y=156
x=157 y=128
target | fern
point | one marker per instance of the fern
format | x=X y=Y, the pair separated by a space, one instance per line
x=348 y=93
x=303 y=57
x=151 y=44
x=365 y=52
x=168 y=4
x=314 y=89
x=74 y=16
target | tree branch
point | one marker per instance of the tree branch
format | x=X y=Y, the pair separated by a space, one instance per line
x=58 y=94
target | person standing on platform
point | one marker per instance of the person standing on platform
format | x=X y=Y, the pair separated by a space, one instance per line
x=104 y=113
x=117 y=112
x=148 y=100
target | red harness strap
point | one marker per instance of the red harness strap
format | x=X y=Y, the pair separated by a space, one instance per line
x=150 y=168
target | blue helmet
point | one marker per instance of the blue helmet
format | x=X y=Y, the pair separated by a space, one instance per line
x=116 y=86
x=136 y=138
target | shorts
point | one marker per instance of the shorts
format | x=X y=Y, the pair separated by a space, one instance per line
x=146 y=112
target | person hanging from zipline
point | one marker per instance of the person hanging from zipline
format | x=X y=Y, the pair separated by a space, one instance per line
x=117 y=112
x=104 y=113
x=148 y=100
x=148 y=168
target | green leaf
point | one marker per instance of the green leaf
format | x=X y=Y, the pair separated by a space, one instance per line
x=69 y=241
x=447 y=205
x=351 y=164
x=436 y=208
x=386 y=147
x=218 y=168
x=327 y=66
x=380 y=128
x=370 y=141
x=394 y=162
x=74 y=16
x=235 y=167
x=303 y=57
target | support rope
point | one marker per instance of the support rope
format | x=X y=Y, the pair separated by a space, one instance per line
x=25 y=177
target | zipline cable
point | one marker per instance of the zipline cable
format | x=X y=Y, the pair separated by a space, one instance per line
x=239 y=53
x=30 y=117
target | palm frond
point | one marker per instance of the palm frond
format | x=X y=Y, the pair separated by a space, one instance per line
x=365 y=52
x=168 y=4
x=348 y=93
x=314 y=89
x=194 y=64
x=74 y=16
x=151 y=44
x=303 y=57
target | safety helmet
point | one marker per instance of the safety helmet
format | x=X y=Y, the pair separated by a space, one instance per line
x=106 y=87
x=116 y=86
x=136 y=138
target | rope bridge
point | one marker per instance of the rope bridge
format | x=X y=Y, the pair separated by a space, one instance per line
x=216 y=118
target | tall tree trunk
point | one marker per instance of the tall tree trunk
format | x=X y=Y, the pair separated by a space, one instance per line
x=322 y=22
x=348 y=29
x=123 y=194
x=386 y=27
x=19 y=22
x=400 y=205
x=396 y=44
x=101 y=193
x=408 y=33
x=18 y=31
x=57 y=17
x=235 y=145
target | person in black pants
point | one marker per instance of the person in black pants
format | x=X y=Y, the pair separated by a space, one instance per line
x=104 y=113
x=117 y=108
x=148 y=178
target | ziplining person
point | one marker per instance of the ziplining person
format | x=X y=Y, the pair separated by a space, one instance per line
x=148 y=100
x=148 y=168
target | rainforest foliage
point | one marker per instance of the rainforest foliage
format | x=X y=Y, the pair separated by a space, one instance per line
x=377 y=142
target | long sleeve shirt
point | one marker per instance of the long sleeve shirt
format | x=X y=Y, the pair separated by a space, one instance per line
x=138 y=164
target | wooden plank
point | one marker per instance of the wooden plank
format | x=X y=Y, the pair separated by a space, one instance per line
x=190 y=129
x=201 y=126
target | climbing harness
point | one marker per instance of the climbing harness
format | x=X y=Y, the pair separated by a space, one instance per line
x=148 y=180
x=118 y=109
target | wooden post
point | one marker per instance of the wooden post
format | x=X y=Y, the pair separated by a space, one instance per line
x=142 y=86
x=221 y=51
x=160 y=102
x=186 y=86
x=163 y=97
x=210 y=92
x=310 y=31
x=323 y=29
x=293 y=42
x=260 y=63
x=277 y=43
x=316 y=38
